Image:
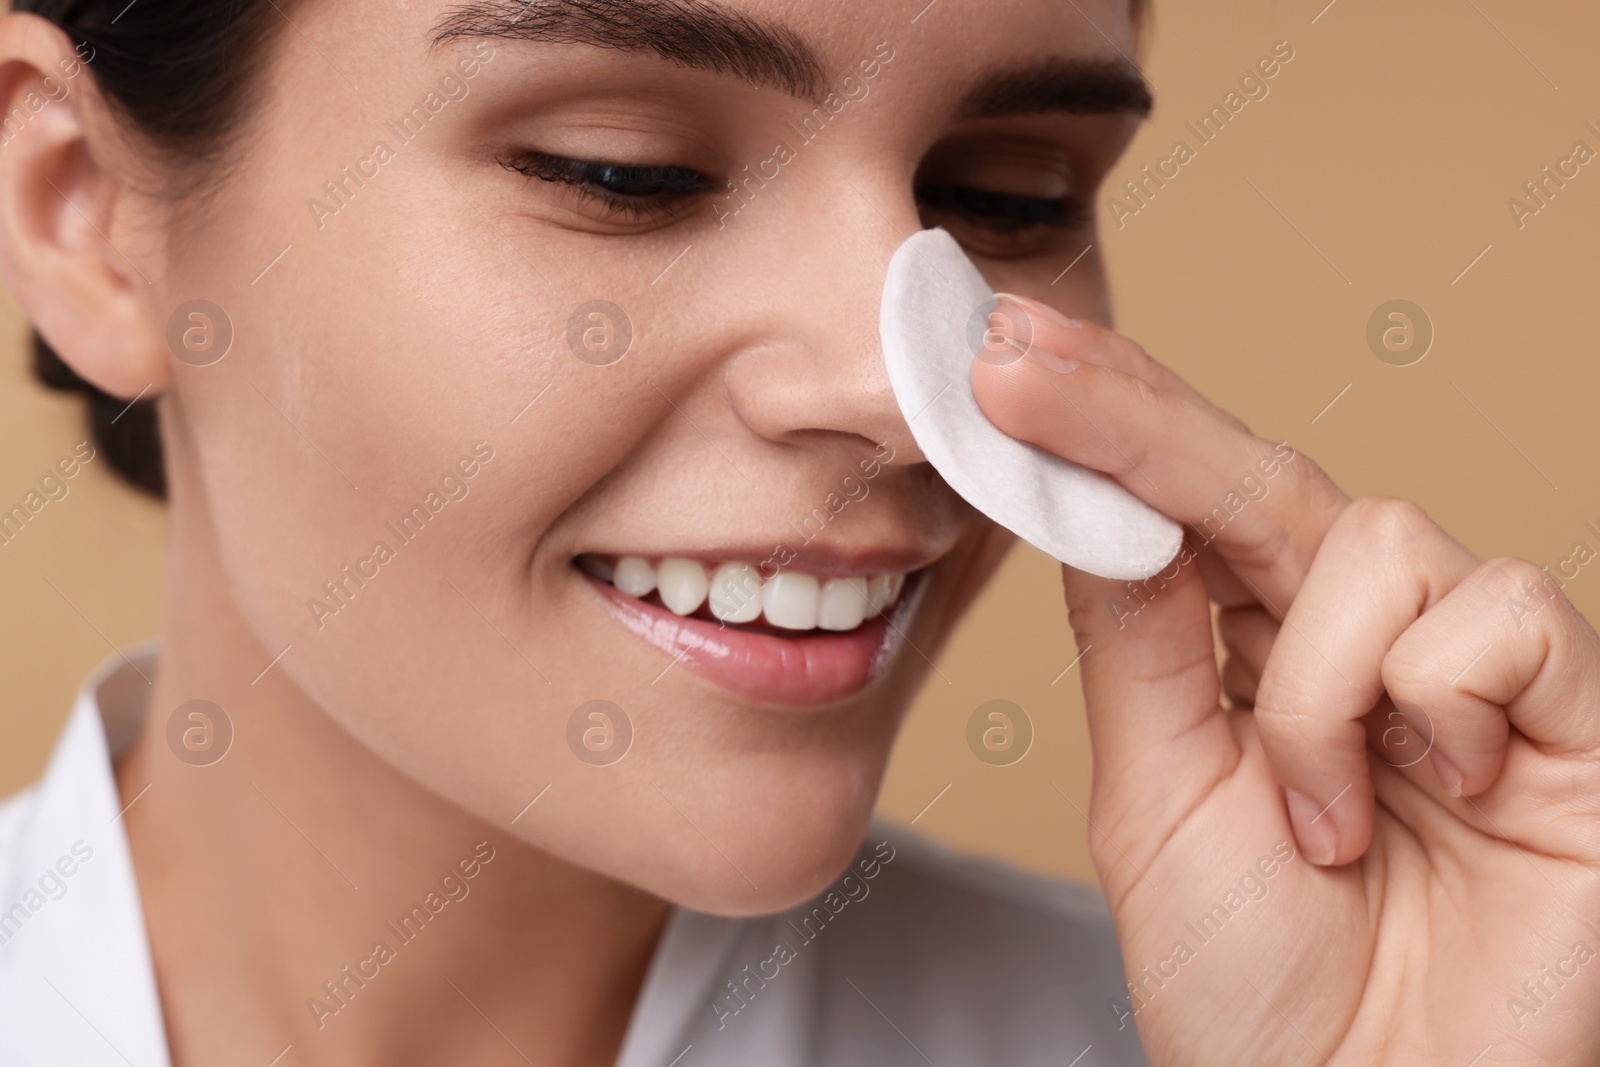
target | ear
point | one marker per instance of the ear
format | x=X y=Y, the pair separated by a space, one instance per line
x=63 y=215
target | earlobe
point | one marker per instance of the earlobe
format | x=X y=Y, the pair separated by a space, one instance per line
x=62 y=211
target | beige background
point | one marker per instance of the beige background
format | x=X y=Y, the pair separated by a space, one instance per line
x=1378 y=167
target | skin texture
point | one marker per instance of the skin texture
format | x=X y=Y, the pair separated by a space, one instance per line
x=1437 y=715
x=375 y=748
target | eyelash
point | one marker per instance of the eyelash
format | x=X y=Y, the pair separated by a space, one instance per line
x=1006 y=212
x=666 y=187
x=589 y=181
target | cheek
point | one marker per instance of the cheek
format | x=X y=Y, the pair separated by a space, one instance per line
x=376 y=353
x=369 y=360
x=460 y=662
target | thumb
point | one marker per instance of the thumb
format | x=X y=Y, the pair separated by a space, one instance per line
x=1152 y=691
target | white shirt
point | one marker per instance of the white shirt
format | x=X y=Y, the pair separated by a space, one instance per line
x=917 y=957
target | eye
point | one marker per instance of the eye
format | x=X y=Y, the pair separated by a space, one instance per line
x=1005 y=212
x=1007 y=195
x=636 y=193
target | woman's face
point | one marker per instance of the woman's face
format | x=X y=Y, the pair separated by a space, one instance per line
x=472 y=368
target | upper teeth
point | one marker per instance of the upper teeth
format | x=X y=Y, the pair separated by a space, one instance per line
x=737 y=593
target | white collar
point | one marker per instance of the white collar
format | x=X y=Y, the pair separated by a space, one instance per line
x=75 y=972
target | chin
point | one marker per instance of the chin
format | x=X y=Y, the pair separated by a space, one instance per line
x=769 y=831
x=791 y=852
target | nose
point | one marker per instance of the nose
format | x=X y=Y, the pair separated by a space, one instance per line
x=818 y=369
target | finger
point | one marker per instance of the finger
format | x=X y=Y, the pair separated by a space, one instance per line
x=1503 y=643
x=1151 y=690
x=1028 y=324
x=1263 y=507
x=1383 y=564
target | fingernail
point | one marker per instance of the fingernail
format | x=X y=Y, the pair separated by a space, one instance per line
x=1051 y=361
x=1450 y=775
x=1313 y=828
x=1034 y=307
x=1025 y=344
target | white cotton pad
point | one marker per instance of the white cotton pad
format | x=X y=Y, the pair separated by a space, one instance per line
x=935 y=307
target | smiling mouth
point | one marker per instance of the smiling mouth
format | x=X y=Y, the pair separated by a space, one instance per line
x=734 y=593
x=795 y=639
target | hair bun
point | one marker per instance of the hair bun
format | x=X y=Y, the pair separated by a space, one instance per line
x=128 y=435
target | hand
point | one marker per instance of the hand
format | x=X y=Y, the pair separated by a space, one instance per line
x=1387 y=850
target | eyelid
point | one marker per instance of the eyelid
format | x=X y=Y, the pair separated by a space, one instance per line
x=681 y=183
x=1004 y=215
x=1061 y=212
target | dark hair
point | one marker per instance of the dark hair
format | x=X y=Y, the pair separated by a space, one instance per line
x=180 y=73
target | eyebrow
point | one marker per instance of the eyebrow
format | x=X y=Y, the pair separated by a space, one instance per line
x=689 y=33
x=1059 y=84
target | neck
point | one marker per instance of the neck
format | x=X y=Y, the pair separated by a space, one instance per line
x=303 y=891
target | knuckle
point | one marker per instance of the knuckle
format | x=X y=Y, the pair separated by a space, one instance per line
x=1129 y=353
x=1410 y=669
x=1287 y=544
x=1526 y=591
x=1088 y=600
x=1387 y=526
x=1279 y=542
x=1141 y=391
x=1281 y=713
x=1510 y=578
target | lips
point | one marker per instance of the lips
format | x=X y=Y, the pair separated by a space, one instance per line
x=794 y=639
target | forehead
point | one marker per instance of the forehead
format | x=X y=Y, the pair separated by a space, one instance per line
x=807 y=36
x=1007 y=56
x=800 y=43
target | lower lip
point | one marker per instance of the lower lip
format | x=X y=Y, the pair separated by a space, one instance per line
x=806 y=670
